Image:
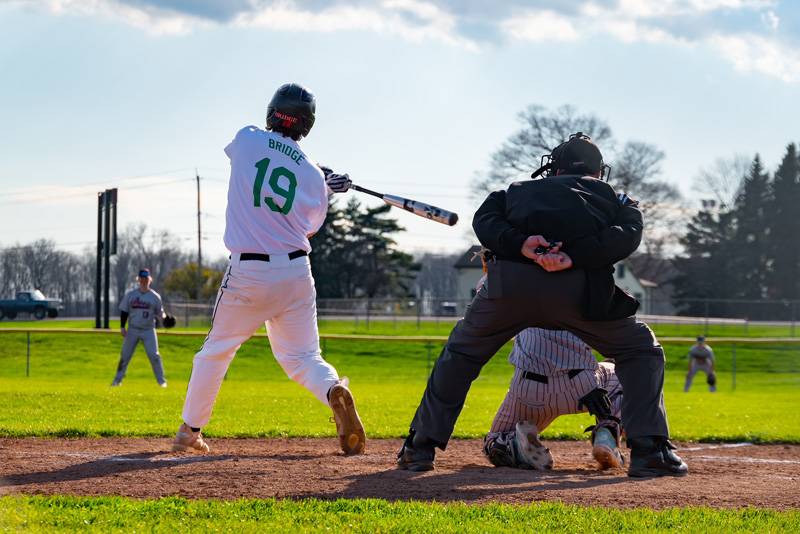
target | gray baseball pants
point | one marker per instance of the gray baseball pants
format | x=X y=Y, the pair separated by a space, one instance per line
x=534 y=297
x=150 y=341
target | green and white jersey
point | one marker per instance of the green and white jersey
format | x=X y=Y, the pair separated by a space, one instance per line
x=276 y=196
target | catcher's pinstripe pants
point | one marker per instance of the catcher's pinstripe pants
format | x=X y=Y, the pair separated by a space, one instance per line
x=150 y=341
x=540 y=403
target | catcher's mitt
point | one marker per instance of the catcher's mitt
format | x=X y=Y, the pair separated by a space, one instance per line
x=711 y=379
x=169 y=321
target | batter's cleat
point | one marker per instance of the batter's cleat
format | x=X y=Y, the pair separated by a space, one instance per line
x=652 y=456
x=605 y=450
x=352 y=438
x=187 y=440
x=416 y=457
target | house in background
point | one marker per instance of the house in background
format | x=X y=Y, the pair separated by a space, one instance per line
x=470 y=271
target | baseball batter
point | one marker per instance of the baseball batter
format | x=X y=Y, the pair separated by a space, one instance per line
x=555 y=373
x=140 y=309
x=277 y=199
x=701 y=358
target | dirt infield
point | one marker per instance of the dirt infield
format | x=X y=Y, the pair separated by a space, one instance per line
x=721 y=475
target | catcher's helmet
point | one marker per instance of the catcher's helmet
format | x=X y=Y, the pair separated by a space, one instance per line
x=576 y=155
x=291 y=111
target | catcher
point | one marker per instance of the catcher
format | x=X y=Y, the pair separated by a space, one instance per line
x=555 y=374
x=143 y=307
x=701 y=358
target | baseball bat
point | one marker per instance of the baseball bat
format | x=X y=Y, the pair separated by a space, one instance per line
x=414 y=206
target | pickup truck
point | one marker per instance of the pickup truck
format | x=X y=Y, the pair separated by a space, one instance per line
x=32 y=302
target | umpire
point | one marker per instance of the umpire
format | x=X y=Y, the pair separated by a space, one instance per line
x=554 y=243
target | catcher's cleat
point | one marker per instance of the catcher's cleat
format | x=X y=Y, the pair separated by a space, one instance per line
x=605 y=450
x=530 y=452
x=352 y=438
x=652 y=456
x=416 y=457
x=187 y=440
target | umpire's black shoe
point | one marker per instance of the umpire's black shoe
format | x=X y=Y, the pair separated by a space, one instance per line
x=652 y=456
x=416 y=457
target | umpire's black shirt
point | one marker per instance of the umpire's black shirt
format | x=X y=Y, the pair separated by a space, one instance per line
x=597 y=226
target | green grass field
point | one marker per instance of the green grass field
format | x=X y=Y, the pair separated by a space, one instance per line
x=60 y=514
x=68 y=393
x=439 y=327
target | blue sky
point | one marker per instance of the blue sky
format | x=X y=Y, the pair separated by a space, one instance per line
x=413 y=96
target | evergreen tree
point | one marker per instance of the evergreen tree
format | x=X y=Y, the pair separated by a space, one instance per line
x=751 y=254
x=354 y=254
x=704 y=267
x=784 y=226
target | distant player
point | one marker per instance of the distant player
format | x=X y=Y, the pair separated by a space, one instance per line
x=277 y=199
x=140 y=310
x=701 y=358
x=555 y=374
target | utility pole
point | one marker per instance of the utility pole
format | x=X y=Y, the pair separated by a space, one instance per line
x=106 y=247
x=199 y=242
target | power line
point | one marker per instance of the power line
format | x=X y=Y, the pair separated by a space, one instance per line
x=105 y=182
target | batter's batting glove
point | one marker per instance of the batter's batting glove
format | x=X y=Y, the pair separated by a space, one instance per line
x=338 y=183
x=169 y=321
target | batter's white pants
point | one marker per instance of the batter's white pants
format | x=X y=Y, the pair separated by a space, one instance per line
x=279 y=293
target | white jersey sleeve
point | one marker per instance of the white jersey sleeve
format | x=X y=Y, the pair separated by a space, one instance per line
x=548 y=352
x=277 y=196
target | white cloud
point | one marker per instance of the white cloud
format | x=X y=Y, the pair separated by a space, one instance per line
x=770 y=20
x=434 y=24
x=754 y=53
x=541 y=26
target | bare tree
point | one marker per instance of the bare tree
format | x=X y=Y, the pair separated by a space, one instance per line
x=437 y=277
x=722 y=181
x=541 y=131
x=636 y=169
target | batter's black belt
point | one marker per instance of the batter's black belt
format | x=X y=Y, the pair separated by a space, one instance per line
x=255 y=256
x=536 y=377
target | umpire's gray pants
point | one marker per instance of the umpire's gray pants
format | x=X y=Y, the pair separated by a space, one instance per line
x=519 y=296
x=150 y=341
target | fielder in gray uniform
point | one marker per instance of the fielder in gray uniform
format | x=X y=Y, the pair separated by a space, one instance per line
x=141 y=308
x=701 y=358
x=555 y=373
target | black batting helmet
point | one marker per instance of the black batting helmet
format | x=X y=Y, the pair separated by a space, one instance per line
x=291 y=111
